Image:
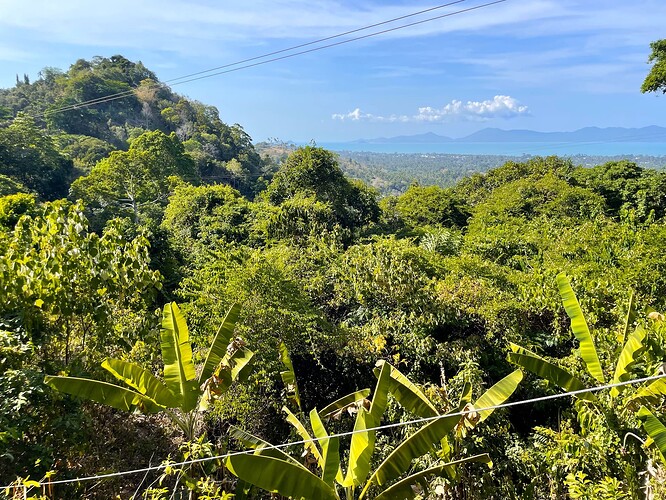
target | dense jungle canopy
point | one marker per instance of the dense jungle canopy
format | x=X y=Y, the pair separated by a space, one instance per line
x=296 y=285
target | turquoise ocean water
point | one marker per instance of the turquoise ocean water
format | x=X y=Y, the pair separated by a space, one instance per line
x=510 y=148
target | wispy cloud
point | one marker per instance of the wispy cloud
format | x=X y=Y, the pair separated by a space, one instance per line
x=358 y=115
x=500 y=106
x=178 y=26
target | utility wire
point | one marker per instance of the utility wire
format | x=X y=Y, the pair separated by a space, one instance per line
x=350 y=433
x=213 y=72
x=437 y=7
x=288 y=49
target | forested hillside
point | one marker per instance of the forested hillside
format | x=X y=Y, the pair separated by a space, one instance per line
x=167 y=294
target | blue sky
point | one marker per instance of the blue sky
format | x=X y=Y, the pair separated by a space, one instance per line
x=545 y=65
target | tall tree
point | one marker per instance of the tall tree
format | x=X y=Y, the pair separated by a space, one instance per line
x=136 y=182
x=314 y=172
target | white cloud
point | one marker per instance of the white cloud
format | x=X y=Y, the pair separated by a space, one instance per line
x=178 y=26
x=500 y=106
x=354 y=116
x=358 y=115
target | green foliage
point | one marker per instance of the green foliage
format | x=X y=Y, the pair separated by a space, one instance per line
x=274 y=471
x=431 y=206
x=29 y=156
x=13 y=206
x=655 y=81
x=626 y=188
x=83 y=150
x=314 y=172
x=88 y=80
x=601 y=419
x=477 y=187
x=588 y=351
x=180 y=389
x=609 y=488
x=205 y=215
x=298 y=219
x=289 y=377
x=438 y=281
x=65 y=284
x=135 y=183
x=655 y=429
x=10 y=186
x=547 y=196
x=87 y=134
x=64 y=303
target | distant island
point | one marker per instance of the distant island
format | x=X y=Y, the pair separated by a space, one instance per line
x=651 y=133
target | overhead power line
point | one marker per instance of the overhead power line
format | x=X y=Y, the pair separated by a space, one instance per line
x=314 y=42
x=220 y=70
x=288 y=49
x=350 y=433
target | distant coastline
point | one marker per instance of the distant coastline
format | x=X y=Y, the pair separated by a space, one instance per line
x=611 y=141
x=518 y=149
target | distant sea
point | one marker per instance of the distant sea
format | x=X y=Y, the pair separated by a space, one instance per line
x=507 y=148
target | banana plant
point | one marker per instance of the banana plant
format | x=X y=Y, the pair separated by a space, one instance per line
x=275 y=471
x=632 y=348
x=289 y=377
x=228 y=360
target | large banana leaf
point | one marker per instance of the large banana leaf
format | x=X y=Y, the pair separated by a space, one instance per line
x=579 y=326
x=305 y=435
x=498 y=393
x=241 y=363
x=408 y=394
x=361 y=449
x=416 y=445
x=363 y=443
x=289 y=376
x=179 y=371
x=330 y=450
x=236 y=366
x=262 y=447
x=631 y=317
x=554 y=374
x=218 y=349
x=632 y=348
x=343 y=402
x=402 y=490
x=380 y=396
x=112 y=395
x=652 y=393
x=465 y=395
x=142 y=380
x=278 y=476
x=655 y=429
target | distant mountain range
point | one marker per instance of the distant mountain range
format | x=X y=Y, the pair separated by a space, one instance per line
x=652 y=133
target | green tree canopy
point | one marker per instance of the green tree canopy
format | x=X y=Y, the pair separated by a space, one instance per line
x=626 y=186
x=205 y=214
x=431 y=205
x=314 y=171
x=28 y=156
x=655 y=81
x=10 y=186
x=136 y=182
